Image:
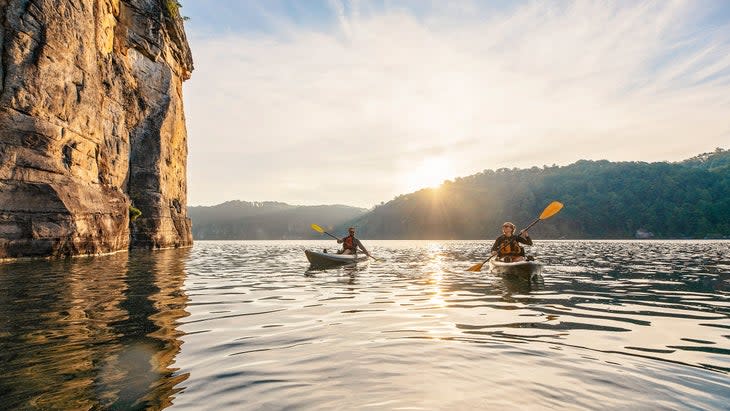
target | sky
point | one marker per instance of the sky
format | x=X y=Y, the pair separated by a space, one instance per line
x=356 y=102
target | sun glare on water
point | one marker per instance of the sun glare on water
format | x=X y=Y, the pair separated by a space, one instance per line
x=427 y=173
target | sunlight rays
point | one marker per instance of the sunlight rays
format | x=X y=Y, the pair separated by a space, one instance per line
x=532 y=84
x=429 y=172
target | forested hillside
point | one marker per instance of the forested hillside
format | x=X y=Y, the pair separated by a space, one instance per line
x=603 y=199
x=242 y=220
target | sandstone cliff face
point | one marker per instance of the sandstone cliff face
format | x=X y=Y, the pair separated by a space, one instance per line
x=91 y=122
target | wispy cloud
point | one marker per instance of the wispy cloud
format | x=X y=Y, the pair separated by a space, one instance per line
x=278 y=115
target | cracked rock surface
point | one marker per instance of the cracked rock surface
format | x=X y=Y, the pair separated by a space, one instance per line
x=91 y=123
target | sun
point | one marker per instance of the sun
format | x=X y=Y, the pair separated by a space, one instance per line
x=428 y=173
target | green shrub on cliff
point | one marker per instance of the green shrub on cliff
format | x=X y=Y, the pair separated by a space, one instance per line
x=173 y=7
x=134 y=213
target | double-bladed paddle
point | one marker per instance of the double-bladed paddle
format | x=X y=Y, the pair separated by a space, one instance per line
x=320 y=230
x=549 y=211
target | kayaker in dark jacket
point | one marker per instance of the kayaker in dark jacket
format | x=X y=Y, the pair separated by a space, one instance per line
x=506 y=246
x=350 y=244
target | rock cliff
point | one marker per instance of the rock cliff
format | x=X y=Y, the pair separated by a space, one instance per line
x=92 y=123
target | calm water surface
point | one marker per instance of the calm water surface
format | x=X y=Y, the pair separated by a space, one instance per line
x=246 y=325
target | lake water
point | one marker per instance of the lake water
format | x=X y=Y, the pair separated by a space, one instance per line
x=245 y=325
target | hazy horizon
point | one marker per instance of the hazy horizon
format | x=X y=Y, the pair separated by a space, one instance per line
x=356 y=102
x=386 y=200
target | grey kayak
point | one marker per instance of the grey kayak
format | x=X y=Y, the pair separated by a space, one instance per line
x=525 y=269
x=318 y=258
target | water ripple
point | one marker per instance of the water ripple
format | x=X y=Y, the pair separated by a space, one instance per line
x=231 y=325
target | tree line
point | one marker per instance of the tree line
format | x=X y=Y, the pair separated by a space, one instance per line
x=244 y=220
x=603 y=200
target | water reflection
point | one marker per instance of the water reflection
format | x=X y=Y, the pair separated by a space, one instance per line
x=100 y=331
x=413 y=330
x=520 y=285
x=346 y=274
x=435 y=270
x=645 y=296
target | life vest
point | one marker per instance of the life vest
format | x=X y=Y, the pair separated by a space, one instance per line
x=510 y=247
x=348 y=243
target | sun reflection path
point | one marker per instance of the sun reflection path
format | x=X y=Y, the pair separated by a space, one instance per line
x=435 y=269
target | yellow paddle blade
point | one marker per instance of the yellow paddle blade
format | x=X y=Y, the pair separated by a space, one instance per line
x=551 y=210
x=317 y=228
x=476 y=267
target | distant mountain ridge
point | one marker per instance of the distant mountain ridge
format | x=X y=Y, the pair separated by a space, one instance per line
x=603 y=199
x=268 y=220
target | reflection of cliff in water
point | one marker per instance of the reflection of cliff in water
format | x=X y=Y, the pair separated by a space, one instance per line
x=91 y=333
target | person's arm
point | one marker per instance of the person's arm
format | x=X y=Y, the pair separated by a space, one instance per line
x=524 y=238
x=497 y=244
x=340 y=240
x=362 y=247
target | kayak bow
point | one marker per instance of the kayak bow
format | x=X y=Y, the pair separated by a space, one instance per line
x=522 y=269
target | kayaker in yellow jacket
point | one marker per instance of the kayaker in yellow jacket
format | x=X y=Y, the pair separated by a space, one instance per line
x=506 y=246
x=350 y=244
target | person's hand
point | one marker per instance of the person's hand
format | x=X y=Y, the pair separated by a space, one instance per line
x=524 y=234
x=339 y=241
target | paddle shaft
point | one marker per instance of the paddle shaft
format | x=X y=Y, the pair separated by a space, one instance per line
x=478 y=267
x=366 y=253
x=319 y=229
x=504 y=244
x=549 y=211
x=552 y=209
x=530 y=225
